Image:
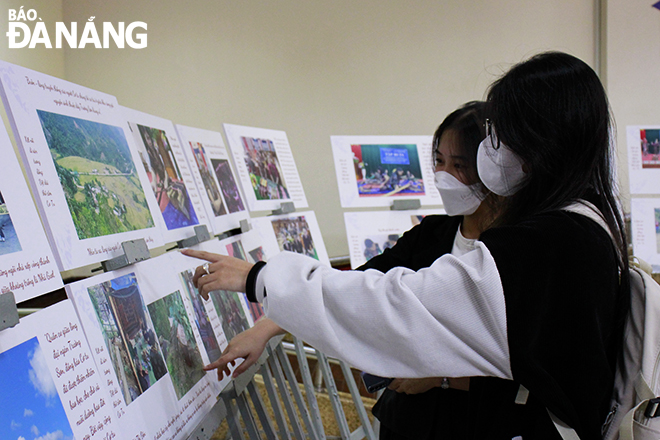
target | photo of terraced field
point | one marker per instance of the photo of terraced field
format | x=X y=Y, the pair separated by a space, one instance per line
x=97 y=174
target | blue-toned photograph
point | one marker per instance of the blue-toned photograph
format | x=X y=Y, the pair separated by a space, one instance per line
x=165 y=178
x=31 y=407
x=9 y=242
x=387 y=170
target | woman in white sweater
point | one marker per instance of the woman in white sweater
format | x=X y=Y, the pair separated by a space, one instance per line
x=536 y=305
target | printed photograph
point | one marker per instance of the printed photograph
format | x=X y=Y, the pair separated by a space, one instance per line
x=255 y=309
x=235 y=249
x=230 y=311
x=165 y=178
x=294 y=235
x=210 y=185
x=176 y=339
x=264 y=168
x=387 y=170
x=374 y=245
x=8 y=239
x=257 y=254
x=650 y=146
x=416 y=219
x=228 y=185
x=31 y=407
x=129 y=335
x=657 y=229
x=202 y=321
x=98 y=176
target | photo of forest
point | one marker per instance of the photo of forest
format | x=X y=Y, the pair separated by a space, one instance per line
x=98 y=176
x=177 y=341
x=232 y=315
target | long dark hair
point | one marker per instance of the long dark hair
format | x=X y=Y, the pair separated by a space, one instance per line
x=552 y=111
x=467 y=123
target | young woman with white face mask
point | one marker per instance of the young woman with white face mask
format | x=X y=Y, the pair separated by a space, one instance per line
x=414 y=408
x=532 y=314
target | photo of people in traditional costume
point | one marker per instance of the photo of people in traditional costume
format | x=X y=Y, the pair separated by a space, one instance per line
x=387 y=170
x=650 y=145
x=166 y=180
x=264 y=169
x=294 y=235
x=373 y=247
x=210 y=185
x=228 y=185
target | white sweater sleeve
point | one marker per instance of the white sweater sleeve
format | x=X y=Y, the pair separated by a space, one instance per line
x=445 y=320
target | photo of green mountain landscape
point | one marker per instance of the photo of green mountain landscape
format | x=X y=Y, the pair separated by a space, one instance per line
x=97 y=174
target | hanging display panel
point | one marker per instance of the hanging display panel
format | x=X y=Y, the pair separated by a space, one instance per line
x=211 y=167
x=370 y=233
x=375 y=170
x=170 y=179
x=27 y=264
x=81 y=165
x=266 y=168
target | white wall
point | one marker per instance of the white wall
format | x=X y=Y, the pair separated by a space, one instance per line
x=39 y=58
x=320 y=68
x=633 y=71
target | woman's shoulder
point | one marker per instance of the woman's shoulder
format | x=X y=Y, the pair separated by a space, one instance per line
x=557 y=232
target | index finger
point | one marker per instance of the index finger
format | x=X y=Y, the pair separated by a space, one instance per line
x=202 y=255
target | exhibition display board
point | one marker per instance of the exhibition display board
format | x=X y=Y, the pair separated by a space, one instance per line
x=171 y=182
x=52 y=385
x=27 y=264
x=151 y=333
x=645 y=228
x=644 y=158
x=211 y=167
x=294 y=232
x=372 y=171
x=84 y=172
x=265 y=166
x=370 y=233
x=123 y=356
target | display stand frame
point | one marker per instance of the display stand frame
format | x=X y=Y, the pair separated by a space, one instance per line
x=405 y=205
x=8 y=311
x=134 y=251
x=285 y=208
x=201 y=234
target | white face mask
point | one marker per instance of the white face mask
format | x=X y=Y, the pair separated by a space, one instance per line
x=500 y=169
x=457 y=197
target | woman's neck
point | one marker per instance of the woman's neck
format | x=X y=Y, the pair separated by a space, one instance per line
x=474 y=224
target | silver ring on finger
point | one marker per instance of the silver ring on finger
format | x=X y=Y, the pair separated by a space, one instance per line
x=206 y=268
